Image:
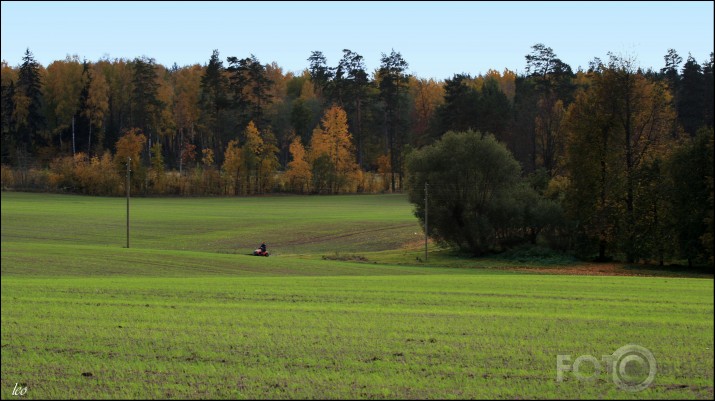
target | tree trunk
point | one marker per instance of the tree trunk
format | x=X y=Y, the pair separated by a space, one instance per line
x=89 y=140
x=601 y=251
x=630 y=213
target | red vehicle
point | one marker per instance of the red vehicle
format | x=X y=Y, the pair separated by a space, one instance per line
x=260 y=252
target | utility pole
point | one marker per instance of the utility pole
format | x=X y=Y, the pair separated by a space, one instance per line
x=426 y=219
x=129 y=161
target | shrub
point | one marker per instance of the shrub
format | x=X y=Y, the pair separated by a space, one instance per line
x=478 y=201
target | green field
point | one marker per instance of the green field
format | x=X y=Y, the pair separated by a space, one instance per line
x=186 y=313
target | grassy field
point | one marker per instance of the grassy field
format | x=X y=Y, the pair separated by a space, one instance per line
x=186 y=313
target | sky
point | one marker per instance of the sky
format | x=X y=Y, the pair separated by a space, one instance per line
x=436 y=39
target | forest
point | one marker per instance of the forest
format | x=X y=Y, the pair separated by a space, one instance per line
x=623 y=156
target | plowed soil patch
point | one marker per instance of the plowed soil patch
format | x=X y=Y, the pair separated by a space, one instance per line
x=610 y=269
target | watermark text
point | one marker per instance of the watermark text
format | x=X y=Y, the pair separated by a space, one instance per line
x=19 y=390
x=632 y=367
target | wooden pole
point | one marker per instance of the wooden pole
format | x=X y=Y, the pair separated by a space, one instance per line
x=129 y=161
x=426 y=219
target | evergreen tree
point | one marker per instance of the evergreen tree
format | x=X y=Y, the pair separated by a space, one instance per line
x=320 y=73
x=522 y=139
x=249 y=85
x=146 y=107
x=494 y=112
x=260 y=91
x=354 y=84
x=82 y=121
x=690 y=100
x=709 y=87
x=461 y=102
x=7 y=120
x=670 y=74
x=670 y=71
x=393 y=84
x=27 y=114
x=692 y=204
x=213 y=102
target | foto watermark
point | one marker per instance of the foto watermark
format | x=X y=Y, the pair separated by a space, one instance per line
x=632 y=367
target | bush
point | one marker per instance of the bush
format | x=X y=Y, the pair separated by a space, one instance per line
x=478 y=201
x=7 y=177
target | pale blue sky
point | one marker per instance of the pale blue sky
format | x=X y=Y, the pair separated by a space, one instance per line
x=437 y=39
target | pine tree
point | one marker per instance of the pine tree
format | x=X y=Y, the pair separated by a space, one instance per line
x=249 y=85
x=146 y=110
x=82 y=120
x=709 y=86
x=28 y=99
x=213 y=101
x=670 y=71
x=7 y=121
x=393 y=81
x=552 y=82
x=354 y=85
x=320 y=73
x=691 y=172
x=690 y=100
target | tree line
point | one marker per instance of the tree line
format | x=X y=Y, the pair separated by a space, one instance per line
x=622 y=153
x=191 y=117
x=624 y=168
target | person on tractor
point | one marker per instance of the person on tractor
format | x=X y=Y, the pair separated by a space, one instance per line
x=261 y=250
